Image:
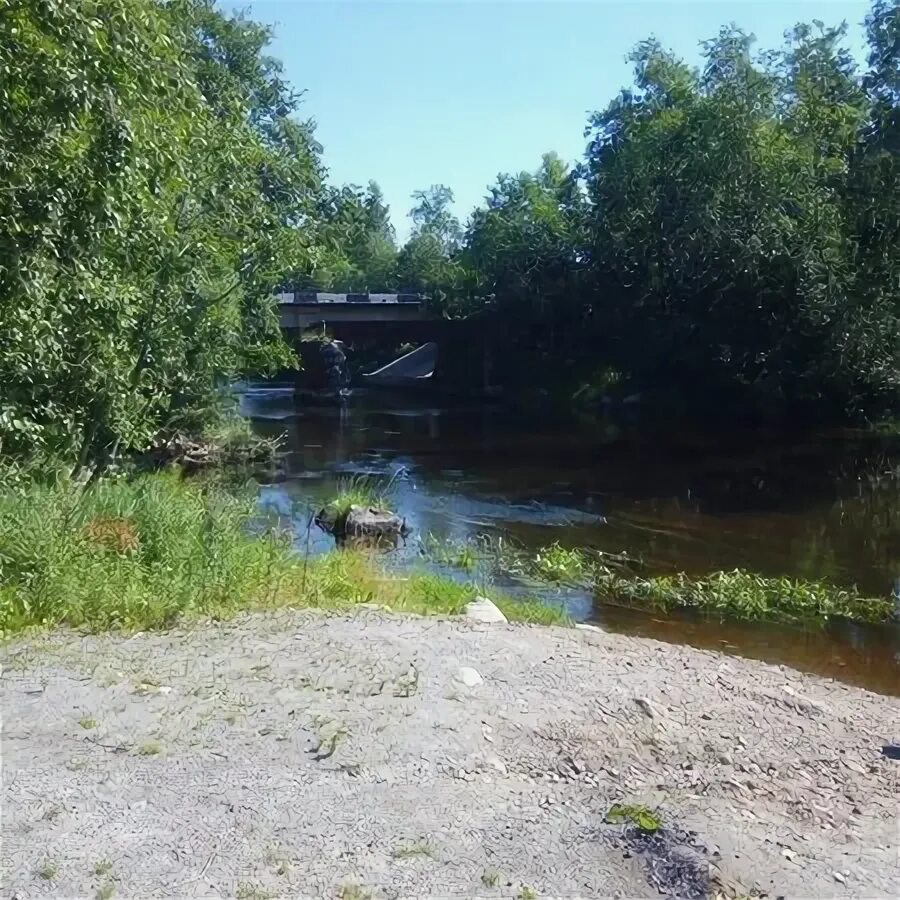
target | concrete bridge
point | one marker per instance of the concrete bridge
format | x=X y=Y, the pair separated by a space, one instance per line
x=299 y=310
x=454 y=354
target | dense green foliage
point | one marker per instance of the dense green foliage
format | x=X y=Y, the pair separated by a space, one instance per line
x=734 y=233
x=128 y=553
x=731 y=237
x=616 y=579
x=740 y=225
x=153 y=188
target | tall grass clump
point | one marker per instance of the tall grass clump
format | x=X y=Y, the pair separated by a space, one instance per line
x=130 y=553
x=745 y=595
x=357 y=490
x=552 y=564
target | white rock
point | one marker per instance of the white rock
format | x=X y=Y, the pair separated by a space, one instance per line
x=483 y=610
x=468 y=676
x=584 y=626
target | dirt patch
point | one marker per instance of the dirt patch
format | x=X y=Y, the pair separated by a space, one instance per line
x=312 y=755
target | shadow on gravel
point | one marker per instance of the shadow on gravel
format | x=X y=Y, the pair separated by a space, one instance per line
x=673 y=863
x=676 y=862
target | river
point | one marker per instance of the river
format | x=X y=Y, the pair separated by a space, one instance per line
x=821 y=507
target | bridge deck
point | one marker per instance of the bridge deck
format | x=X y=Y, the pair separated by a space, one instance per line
x=302 y=309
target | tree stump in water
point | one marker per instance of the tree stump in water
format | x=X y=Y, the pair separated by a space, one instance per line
x=362 y=522
x=373 y=523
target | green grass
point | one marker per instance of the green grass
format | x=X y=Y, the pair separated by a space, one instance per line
x=530 y=611
x=150 y=748
x=247 y=891
x=641 y=817
x=354 y=892
x=462 y=555
x=87 y=723
x=744 y=595
x=358 y=490
x=411 y=851
x=48 y=870
x=150 y=551
x=130 y=553
x=550 y=565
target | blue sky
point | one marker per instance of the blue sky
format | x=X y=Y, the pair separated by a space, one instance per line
x=454 y=91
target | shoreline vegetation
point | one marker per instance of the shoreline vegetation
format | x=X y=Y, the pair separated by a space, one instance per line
x=615 y=579
x=150 y=550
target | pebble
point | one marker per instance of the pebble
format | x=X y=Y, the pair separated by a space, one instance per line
x=483 y=610
x=469 y=676
x=498 y=764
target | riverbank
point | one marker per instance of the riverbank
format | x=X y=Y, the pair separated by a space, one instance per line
x=374 y=755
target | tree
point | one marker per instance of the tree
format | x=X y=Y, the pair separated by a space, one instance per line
x=719 y=228
x=355 y=223
x=155 y=187
x=526 y=254
x=427 y=260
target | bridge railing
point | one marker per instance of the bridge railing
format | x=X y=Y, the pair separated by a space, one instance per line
x=316 y=298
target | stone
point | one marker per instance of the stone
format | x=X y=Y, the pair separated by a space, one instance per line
x=362 y=524
x=371 y=522
x=468 y=676
x=497 y=763
x=584 y=626
x=483 y=610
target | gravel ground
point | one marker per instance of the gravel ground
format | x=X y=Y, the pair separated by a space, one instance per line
x=380 y=756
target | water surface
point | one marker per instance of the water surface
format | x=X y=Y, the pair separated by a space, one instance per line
x=822 y=506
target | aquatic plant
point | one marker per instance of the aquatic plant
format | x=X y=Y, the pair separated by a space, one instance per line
x=745 y=595
x=553 y=564
x=558 y=563
x=462 y=555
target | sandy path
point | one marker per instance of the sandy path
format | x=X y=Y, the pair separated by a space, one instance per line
x=305 y=755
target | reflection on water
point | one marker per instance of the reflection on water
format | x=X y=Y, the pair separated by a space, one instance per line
x=823 y=507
